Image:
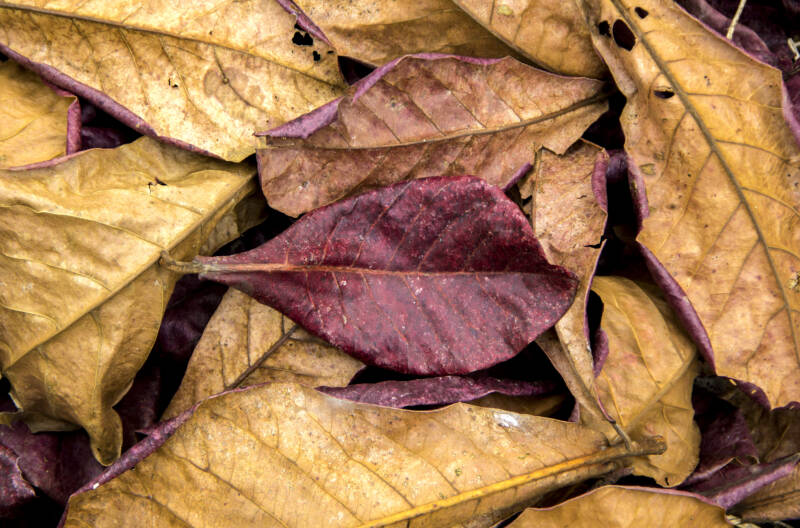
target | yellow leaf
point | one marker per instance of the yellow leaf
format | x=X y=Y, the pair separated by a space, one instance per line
x=81 y=293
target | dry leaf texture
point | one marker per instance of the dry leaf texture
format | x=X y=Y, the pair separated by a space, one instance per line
x=704 y=124
x=777 y=501
x=81 y=295
x=207 y=74
x=425 y=115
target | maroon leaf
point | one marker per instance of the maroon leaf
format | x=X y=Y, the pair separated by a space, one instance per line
x=434 y=276
x=15 y=491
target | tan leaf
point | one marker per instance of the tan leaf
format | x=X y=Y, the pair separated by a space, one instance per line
x=704 y=125
x=207 y=74
x=549 y=32
x=774 y=502
x=377 y=32
x=246 y=343
x=535 y=405
x=81 y=293
x=626 y=506
x=286 y=455
x=34 y=118
x=646 y=379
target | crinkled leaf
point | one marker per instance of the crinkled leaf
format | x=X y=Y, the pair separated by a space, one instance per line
x=425 y=115
x=774 y=502
x=549 y=32
x=15 y=491
x=434 y=276
x=82 y=295
x=246 y=343
x=286 y=455
x=704 y=124
x=646 y=379
x=205 y=76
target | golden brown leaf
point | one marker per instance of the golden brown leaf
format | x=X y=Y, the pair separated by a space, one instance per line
x=617 y=506
x=81 y=293
x=34 y=118
x=777 y=501
x=207 y=74
x=246 y=343
x=549 y=32
x=646 y=379
x=704 y=125
x=285 y=455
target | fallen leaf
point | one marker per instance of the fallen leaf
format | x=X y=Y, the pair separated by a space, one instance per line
x=201 y=76
x=704 y=124
x=35 y=119
x=533 y=405
x=82 y=295
x=425 y=115
x=549 y=32
x=774 y=502
x=377 y=32
x=340 y=464
x=434 y=276
x=15 y=491
x=246 y=343
x=626 y=506
x=646 y=380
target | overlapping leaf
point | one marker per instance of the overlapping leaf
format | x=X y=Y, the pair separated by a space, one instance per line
x=425 y=115
x=207 y=76
x=777 y=501
x=705 y=126
x=80 y=295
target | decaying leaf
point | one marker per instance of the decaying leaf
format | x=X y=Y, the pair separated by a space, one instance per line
x=774 y=502
x=15 y=491
x=205 y=76
x=704 y=124
x=286 y=455
x=646 y=379
x=81 y=295
x=35 y=119
x=377 y=32
x=246 y=343
x=434 y=276
x=425 y=115
x=549 y=32
x=626 y=506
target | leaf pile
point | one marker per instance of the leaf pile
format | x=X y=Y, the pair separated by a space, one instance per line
x=438 y=263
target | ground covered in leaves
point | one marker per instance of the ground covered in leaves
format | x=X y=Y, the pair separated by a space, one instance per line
x=373 y=263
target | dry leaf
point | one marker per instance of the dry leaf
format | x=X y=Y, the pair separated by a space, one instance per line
x=425 y=115
x=246 y=343
x=549 y=32
x=207 y=76
x=646 y=380
x=286 y=455
x=704 y=124
x=776 y=501
x=34 y=118
x=618 y=506
x=81 y=295
x=377 y=32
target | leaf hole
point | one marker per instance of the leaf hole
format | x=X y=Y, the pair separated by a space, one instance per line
x=641 y=12
x=604 y=29
x=663 y=94
x=302 y=40
x=316 y=56
x=623 y=36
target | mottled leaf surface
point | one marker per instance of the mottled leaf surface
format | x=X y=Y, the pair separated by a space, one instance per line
x=425 y=115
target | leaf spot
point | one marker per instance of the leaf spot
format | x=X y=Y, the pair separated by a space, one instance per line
x=641 y=12
x=505 y=10
x=604 y=29
x=623 y=36
x=506 y=420
x=302 y=40
x=794 y=282
x=663 y=94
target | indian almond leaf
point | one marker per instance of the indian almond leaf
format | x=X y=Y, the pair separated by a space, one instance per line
x=82 y=294
x=440 y=390
x=434 y=276
x=647 y=377
x=547 y=405
x=15 y=491
x=35 y=118
x=425 y=115
x=202 y=78
x=247 y=343
x=626 y=506
x=340 y=464
x=776 y=501
x=551 y=33
x=704 y=125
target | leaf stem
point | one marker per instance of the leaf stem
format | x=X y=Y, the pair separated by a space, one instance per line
x=735 y=19
x=181 y=267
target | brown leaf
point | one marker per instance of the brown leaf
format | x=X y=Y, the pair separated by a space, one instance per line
x=626 y=506
x=777 y=501
x=34 y=118
x=425 y=115
x=549 y=32
x=82 y=295
x=704 y=124
x=377 y=32
x=246 y=343
x=286 y=455
x=646 y=380
x=206 y=77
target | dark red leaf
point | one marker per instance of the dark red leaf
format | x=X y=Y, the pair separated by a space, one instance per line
x=15 y=491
